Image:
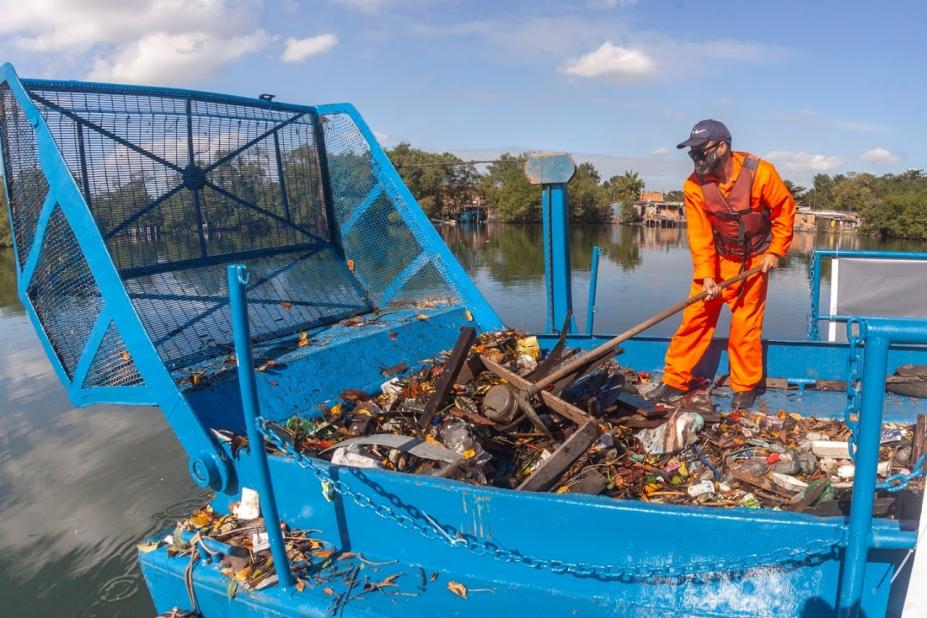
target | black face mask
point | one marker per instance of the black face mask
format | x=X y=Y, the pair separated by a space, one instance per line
x=705 y=160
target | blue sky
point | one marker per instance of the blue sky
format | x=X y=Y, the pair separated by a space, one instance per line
x=812 y=86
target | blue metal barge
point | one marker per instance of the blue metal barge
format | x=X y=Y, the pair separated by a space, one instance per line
x=294 y=247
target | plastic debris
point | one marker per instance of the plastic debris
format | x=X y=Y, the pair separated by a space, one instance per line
x=352 y=456
x=826 y=448
x=249 y=507
x=628 y=448
x=676 y=434
x=701 y=488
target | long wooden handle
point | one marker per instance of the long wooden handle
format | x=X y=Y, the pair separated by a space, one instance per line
x=610 y=345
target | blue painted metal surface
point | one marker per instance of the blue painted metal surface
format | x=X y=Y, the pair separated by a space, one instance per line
x=350 y=279
x=817 y=257
x=555 y=218
x=593 y=281
x=238 y=282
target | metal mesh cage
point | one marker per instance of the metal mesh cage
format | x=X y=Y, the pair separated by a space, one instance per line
x=63 y=292
x=112 y=365
x=26 y=183
x=211 y=179
x=389 y=261
x=308 y=290
x=181 y=184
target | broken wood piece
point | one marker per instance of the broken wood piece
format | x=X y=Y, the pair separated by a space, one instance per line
x=446 y=380
x=554 y=357
x=589 y=481
x=556 y=404
x=920 y=439
x=761 y=483
x=549 y=471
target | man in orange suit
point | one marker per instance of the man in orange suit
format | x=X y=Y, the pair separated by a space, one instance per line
x=739 y=215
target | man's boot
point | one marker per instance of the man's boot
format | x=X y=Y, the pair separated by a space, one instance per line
x=664 y=393
x=742 y=400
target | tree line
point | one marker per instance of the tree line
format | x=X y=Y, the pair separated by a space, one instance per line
x=890 y=206
x=444 y=183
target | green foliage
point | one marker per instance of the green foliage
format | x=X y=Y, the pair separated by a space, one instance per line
x=441 y=183
x=6 y=237
x=588 y=198
x=797 y=191
x=508 y=192
x=892 y=206
x=626 y=189
x=674 y=196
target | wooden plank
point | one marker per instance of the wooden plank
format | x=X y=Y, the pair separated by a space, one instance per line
x=567 y=453
x=920 y=439
x=556 y=404
x=451 y=369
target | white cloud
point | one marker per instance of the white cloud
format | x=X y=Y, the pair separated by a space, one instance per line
x=611 y=61
x=297 y=50
x=153 y=41
x=879 y=156
x=804 y=161
x=725 y=101
x=185 y=58
x=662 y=151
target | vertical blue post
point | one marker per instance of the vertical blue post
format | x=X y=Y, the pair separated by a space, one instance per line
x=859 y=529
x=593 y=282
x=553 y=172
x=815 y=296
x=546 y=248
x=238 y=280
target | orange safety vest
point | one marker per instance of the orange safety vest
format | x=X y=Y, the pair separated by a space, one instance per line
x=739 y=231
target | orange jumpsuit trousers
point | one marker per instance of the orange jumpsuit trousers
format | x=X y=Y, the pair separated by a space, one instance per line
x=744 y=349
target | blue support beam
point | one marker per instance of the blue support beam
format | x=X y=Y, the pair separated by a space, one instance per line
x=593 y=284
x=238 y=281
x=556 y=217
x=879 y=335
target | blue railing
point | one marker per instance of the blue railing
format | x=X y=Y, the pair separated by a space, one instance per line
x=878 y=335
x=816 y=262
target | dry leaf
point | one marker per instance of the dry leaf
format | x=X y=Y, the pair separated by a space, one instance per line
x=124 y=356
x=458 y=589
x=300 y=585
x=328 y=591
x=303 y=340
x=468 y=315
x=422 y=316
x=323 y=553
x=286 y=305
x=351 y=265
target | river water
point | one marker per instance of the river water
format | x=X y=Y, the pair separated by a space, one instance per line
x=79 y=488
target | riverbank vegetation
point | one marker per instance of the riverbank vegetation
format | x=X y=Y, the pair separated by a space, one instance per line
x=444 y=184
x=890 y=206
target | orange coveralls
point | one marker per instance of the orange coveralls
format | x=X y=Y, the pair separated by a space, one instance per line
x=699 y=320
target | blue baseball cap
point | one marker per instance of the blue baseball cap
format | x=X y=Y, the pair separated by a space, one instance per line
x=705 y=131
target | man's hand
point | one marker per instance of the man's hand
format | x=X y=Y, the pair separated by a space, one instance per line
x=770 y=262
x=711 y=289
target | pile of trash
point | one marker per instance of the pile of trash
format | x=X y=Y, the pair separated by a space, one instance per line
x=465 y=416
x=237 y=545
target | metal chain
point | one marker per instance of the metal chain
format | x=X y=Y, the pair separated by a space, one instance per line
x=854 y=380
x=425 y=525
x=899 y=481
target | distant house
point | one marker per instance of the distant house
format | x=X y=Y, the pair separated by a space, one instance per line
x=655 y=211
x=826 y=220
